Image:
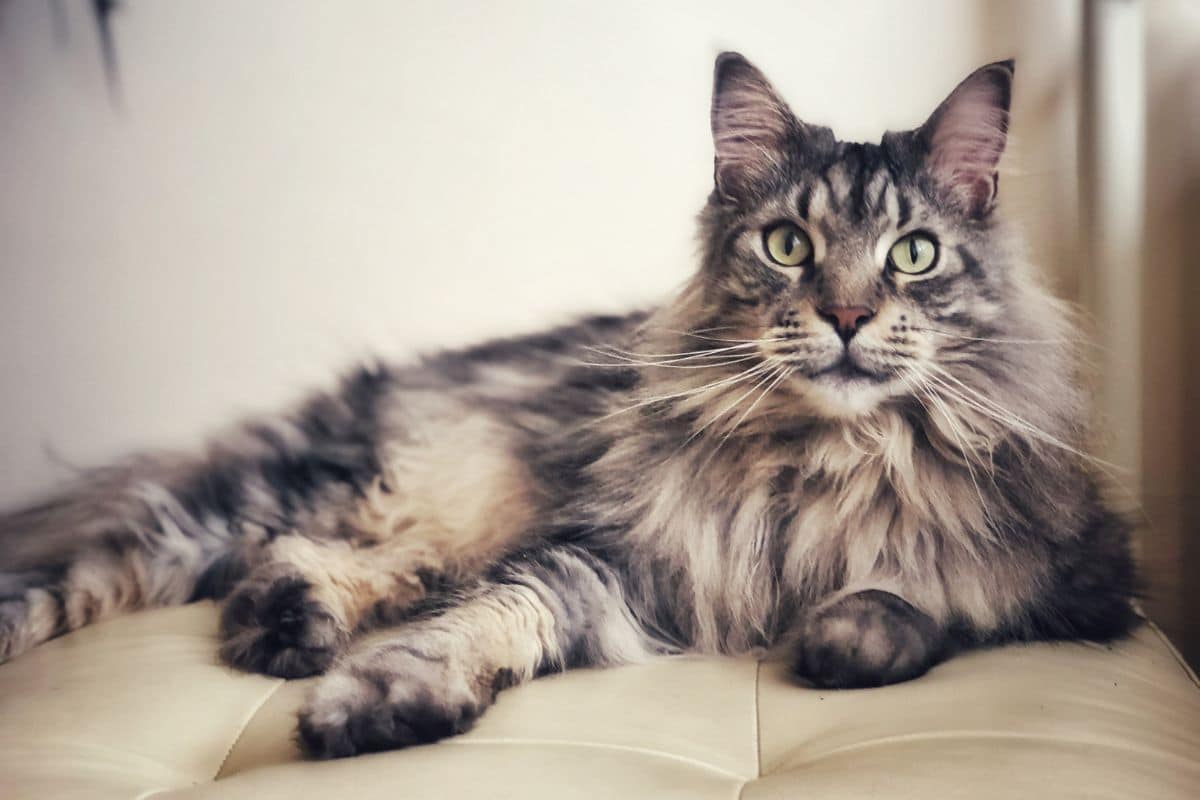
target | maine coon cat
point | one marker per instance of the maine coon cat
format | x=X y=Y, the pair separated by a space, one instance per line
x=856 y=436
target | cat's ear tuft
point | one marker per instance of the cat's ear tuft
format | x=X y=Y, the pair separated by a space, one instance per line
x=751 y=126
x=965 y=137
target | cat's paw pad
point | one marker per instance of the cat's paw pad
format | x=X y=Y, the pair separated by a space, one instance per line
x=350 y=713
x=274 y=626
x=870 y=638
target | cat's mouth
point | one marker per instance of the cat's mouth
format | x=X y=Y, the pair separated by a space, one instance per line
x=844 y=369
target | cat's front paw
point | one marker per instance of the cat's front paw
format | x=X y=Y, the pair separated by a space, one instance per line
x=354 y=711
x=870 y=638
x=273 y=625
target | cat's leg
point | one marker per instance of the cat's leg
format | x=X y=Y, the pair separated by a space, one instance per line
x=866 y=638
x=433 y=677
x=1076 y=587
x=436 y=520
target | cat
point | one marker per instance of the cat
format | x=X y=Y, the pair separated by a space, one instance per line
x=855 y=438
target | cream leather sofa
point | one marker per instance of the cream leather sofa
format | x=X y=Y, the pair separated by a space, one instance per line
x=139 y=707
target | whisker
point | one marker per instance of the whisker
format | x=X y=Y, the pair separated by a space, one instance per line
x=730 y=407
x=1004 y=416
x=778 y=378
x=990 y=522
x=608 y=350
x=631 y=363
x=735 y=379
x=991 y=340
x=716 y=339
x=702 y=330
x=1007 y=417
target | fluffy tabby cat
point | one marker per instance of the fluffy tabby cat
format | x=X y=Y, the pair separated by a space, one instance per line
x=856 y=435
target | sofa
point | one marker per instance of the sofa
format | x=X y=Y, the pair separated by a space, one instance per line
x=139 y=707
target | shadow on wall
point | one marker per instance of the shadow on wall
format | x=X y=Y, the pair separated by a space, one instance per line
x=1171 y=326
x=1189 y=388
x=1041 y=167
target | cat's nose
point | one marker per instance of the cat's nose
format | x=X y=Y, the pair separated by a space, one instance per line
x=846 y=320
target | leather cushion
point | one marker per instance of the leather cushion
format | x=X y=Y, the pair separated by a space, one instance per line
x=139 y=706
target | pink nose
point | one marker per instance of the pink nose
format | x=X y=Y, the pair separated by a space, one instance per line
x=846 y=319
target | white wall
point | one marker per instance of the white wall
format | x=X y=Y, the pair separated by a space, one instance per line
x=288 y=185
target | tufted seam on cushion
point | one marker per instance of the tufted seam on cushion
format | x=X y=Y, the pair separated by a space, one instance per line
x=757 y=729
x=757 y=720
x=619 y=748
x=237 y=737
x=1183 y=665
x=982 y=735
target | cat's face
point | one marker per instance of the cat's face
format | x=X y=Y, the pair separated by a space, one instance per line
x=856 y=265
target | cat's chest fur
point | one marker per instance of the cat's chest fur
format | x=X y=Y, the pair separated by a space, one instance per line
x=731 y=545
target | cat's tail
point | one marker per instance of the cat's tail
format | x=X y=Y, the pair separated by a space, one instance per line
x=164 y=530
x=119 y=538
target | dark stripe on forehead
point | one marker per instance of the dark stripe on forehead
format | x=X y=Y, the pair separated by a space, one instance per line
x=803 y=200
x=858 y=189
x=905 y=206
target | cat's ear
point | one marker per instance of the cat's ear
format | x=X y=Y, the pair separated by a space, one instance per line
x=965 y=137
x=751 y=126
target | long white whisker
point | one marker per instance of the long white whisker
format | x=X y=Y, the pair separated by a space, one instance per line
x=628 y=362
x=1001 y=414
x=985 y=339
x=962 y=447
x=1007 y=417
x=778 y=378
x=717 y=339
x=1062 y=341
x=730 y=407
x=608 y=350
x=708 y=387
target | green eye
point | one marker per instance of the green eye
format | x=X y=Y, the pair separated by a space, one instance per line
x=914 y=254
x=787 y=245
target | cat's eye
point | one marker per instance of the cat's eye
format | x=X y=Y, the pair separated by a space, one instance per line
x=914 y=254
x=787 y=245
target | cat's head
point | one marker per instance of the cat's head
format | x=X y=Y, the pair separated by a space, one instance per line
x=862 y=268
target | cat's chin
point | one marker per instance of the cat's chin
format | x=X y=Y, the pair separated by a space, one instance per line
x=839 y=397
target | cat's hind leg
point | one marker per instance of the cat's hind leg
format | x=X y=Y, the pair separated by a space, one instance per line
x=431 y=678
